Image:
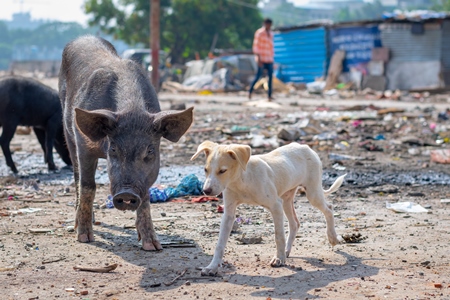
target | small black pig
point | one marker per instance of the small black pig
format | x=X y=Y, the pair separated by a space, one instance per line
x=25 y=101
x=111 y=111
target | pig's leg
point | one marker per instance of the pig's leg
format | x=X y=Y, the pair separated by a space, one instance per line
x=9 y=128
x=50 y=134
x=144 y=226
x=40 y=134
x=86 y=192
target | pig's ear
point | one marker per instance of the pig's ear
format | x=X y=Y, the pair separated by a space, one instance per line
x=173 y=124
x=241 y=153
x=95 y=124
x=206 y=147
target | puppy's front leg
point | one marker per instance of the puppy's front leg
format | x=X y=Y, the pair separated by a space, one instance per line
x=278 y=219
x=225 y=230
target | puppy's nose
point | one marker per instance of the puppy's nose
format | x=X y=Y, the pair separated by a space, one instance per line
x=207 y=191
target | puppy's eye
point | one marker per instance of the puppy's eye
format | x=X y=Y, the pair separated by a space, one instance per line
x=222 y=171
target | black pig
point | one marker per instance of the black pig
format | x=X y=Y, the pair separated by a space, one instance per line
x=111 y=111
x=25 y=101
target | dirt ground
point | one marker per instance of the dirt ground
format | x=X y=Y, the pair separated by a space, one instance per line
x=398 y=256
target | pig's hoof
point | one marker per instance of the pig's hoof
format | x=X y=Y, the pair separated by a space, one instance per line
x=52 y=167
x=277 y=262
x=208 y=271
x=86 y=238
x=151 y=246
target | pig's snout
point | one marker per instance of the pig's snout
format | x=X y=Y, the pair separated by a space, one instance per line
x=126 y=200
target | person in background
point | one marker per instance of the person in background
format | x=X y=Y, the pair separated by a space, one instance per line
x=263 y=50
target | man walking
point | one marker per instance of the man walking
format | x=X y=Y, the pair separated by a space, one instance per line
x=263 y=50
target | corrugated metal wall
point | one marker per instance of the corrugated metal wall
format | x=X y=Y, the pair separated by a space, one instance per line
x=301 y=54
x=356 y=41
x=406 y=46
x=446 y=51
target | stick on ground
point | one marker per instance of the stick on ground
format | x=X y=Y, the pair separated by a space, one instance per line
x=176 y=278
x=96 y=270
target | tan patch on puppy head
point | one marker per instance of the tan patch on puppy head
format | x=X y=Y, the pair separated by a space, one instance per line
x=241 y=154
x=206 y=147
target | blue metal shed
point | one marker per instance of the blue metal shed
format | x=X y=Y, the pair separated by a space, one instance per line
x=356 y=41
x=301 y=54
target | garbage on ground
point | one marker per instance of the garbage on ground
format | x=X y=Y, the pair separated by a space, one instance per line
x=336 y=156
x=386 y=189
x=353 y=238
x=260 y=140
x=251 y=240
x=316 y=87
x=441 y=156
x=189 y=185
x=406 y=207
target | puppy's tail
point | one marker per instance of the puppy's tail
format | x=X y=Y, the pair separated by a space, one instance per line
x=336 y=185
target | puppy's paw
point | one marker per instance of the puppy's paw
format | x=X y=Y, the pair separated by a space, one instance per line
x=288 y=252
x=210 y=271
x=277 y=262
x=336 y=240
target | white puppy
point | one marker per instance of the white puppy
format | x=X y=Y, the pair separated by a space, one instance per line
x=270 y=180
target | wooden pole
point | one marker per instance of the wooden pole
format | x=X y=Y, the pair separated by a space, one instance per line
x=154 y=41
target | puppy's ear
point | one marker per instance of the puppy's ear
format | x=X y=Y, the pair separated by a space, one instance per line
x=240 y=153
x=206 y=147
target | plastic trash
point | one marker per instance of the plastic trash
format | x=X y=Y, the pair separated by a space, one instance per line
x=109 y=202
x=440 y=156
x=189 y=185
x=342 y=145
x=157 y=195
x=335 y=156
x=325 y=136
x=406 y=207
x=29 y=210
x=315 y=87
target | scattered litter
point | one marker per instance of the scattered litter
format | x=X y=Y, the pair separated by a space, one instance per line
x=406 y=207
x=386 y=189
x=176 y=278
x=96 y=270
x=109 y=202
x=336 y=156
x=202 y=199
x=9 y=268
x=40 y=230
x=353 y=238
x=243 y=240
x=338 y=167
x=52 y=260
x=29 y=210
x=190 y=185
x=260 y=141
x=440 y=156
x=446 y=201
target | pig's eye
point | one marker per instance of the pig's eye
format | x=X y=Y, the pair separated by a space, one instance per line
x=150 y=151
x=222 y=171
x=206 y=170
x=112 y=148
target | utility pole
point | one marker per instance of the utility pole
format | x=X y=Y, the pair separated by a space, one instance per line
x=154 y=41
